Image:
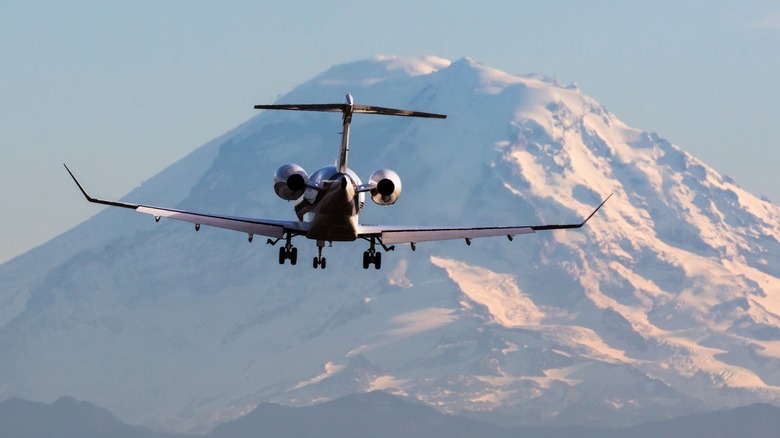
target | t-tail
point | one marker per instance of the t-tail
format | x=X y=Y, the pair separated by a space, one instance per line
x=347 y=109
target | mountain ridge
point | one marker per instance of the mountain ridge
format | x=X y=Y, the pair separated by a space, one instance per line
x=65 y=417
x=367 y=414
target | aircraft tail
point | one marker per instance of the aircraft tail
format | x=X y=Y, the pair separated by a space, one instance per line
x=348 y=108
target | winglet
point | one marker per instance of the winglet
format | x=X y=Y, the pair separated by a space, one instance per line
x=86 y=195
x=96 y=200
x=597 y=209
x=570 y=226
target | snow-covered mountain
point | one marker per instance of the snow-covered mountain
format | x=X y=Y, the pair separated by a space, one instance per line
x=668 y=302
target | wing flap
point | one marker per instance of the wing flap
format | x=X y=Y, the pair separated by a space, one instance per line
x=412 y=235
x=274 y=229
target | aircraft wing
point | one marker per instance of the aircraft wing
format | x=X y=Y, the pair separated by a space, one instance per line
x=269 y=228
x=399 y=234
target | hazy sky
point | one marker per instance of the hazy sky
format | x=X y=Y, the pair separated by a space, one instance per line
x=120 y=90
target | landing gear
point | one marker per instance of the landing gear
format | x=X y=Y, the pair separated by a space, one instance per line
x=319 y=261
x=286 y=252
x=372 y=256
x=290 y=254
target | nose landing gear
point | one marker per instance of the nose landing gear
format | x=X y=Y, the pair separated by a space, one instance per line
x=319 y=261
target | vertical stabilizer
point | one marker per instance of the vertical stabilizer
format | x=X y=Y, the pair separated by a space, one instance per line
x=341 y=162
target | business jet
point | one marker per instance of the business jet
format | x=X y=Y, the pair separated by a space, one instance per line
x=329 y=201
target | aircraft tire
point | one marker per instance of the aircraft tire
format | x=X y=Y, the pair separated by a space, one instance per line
x=282 y=255
x=378 y=260
x=293 y=256
x=366 y=260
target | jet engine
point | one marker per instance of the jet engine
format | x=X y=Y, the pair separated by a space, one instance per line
x=290 y=181
x=385 y=186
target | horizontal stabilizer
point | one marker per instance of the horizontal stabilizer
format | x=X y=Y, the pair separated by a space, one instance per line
x=343 y=107
x=366 y=109
x=325 y=107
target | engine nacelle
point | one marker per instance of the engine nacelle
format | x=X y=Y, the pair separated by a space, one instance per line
x=385 y=186
x=290 y=181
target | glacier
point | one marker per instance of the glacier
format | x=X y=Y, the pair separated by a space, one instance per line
x=666 y=303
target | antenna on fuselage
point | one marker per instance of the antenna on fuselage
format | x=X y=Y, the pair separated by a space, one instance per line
x=347 y=109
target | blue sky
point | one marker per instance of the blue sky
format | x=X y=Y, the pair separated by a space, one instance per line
x=120 y=90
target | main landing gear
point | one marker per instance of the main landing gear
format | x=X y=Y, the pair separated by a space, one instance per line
x=290 y=254
x=372 y=256
x=286 y=252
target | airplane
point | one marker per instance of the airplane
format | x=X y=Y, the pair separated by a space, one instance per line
x=329 y=201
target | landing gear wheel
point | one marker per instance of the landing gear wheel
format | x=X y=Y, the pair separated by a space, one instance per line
x=290 y=254
x=293 y=256
x=282 y=255
x=371 y=257
x=315 y=263
x=322 y=263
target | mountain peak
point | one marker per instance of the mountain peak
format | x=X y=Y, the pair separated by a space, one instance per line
x=413 y=66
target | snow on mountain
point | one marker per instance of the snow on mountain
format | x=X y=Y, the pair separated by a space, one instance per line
x=668 y=302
